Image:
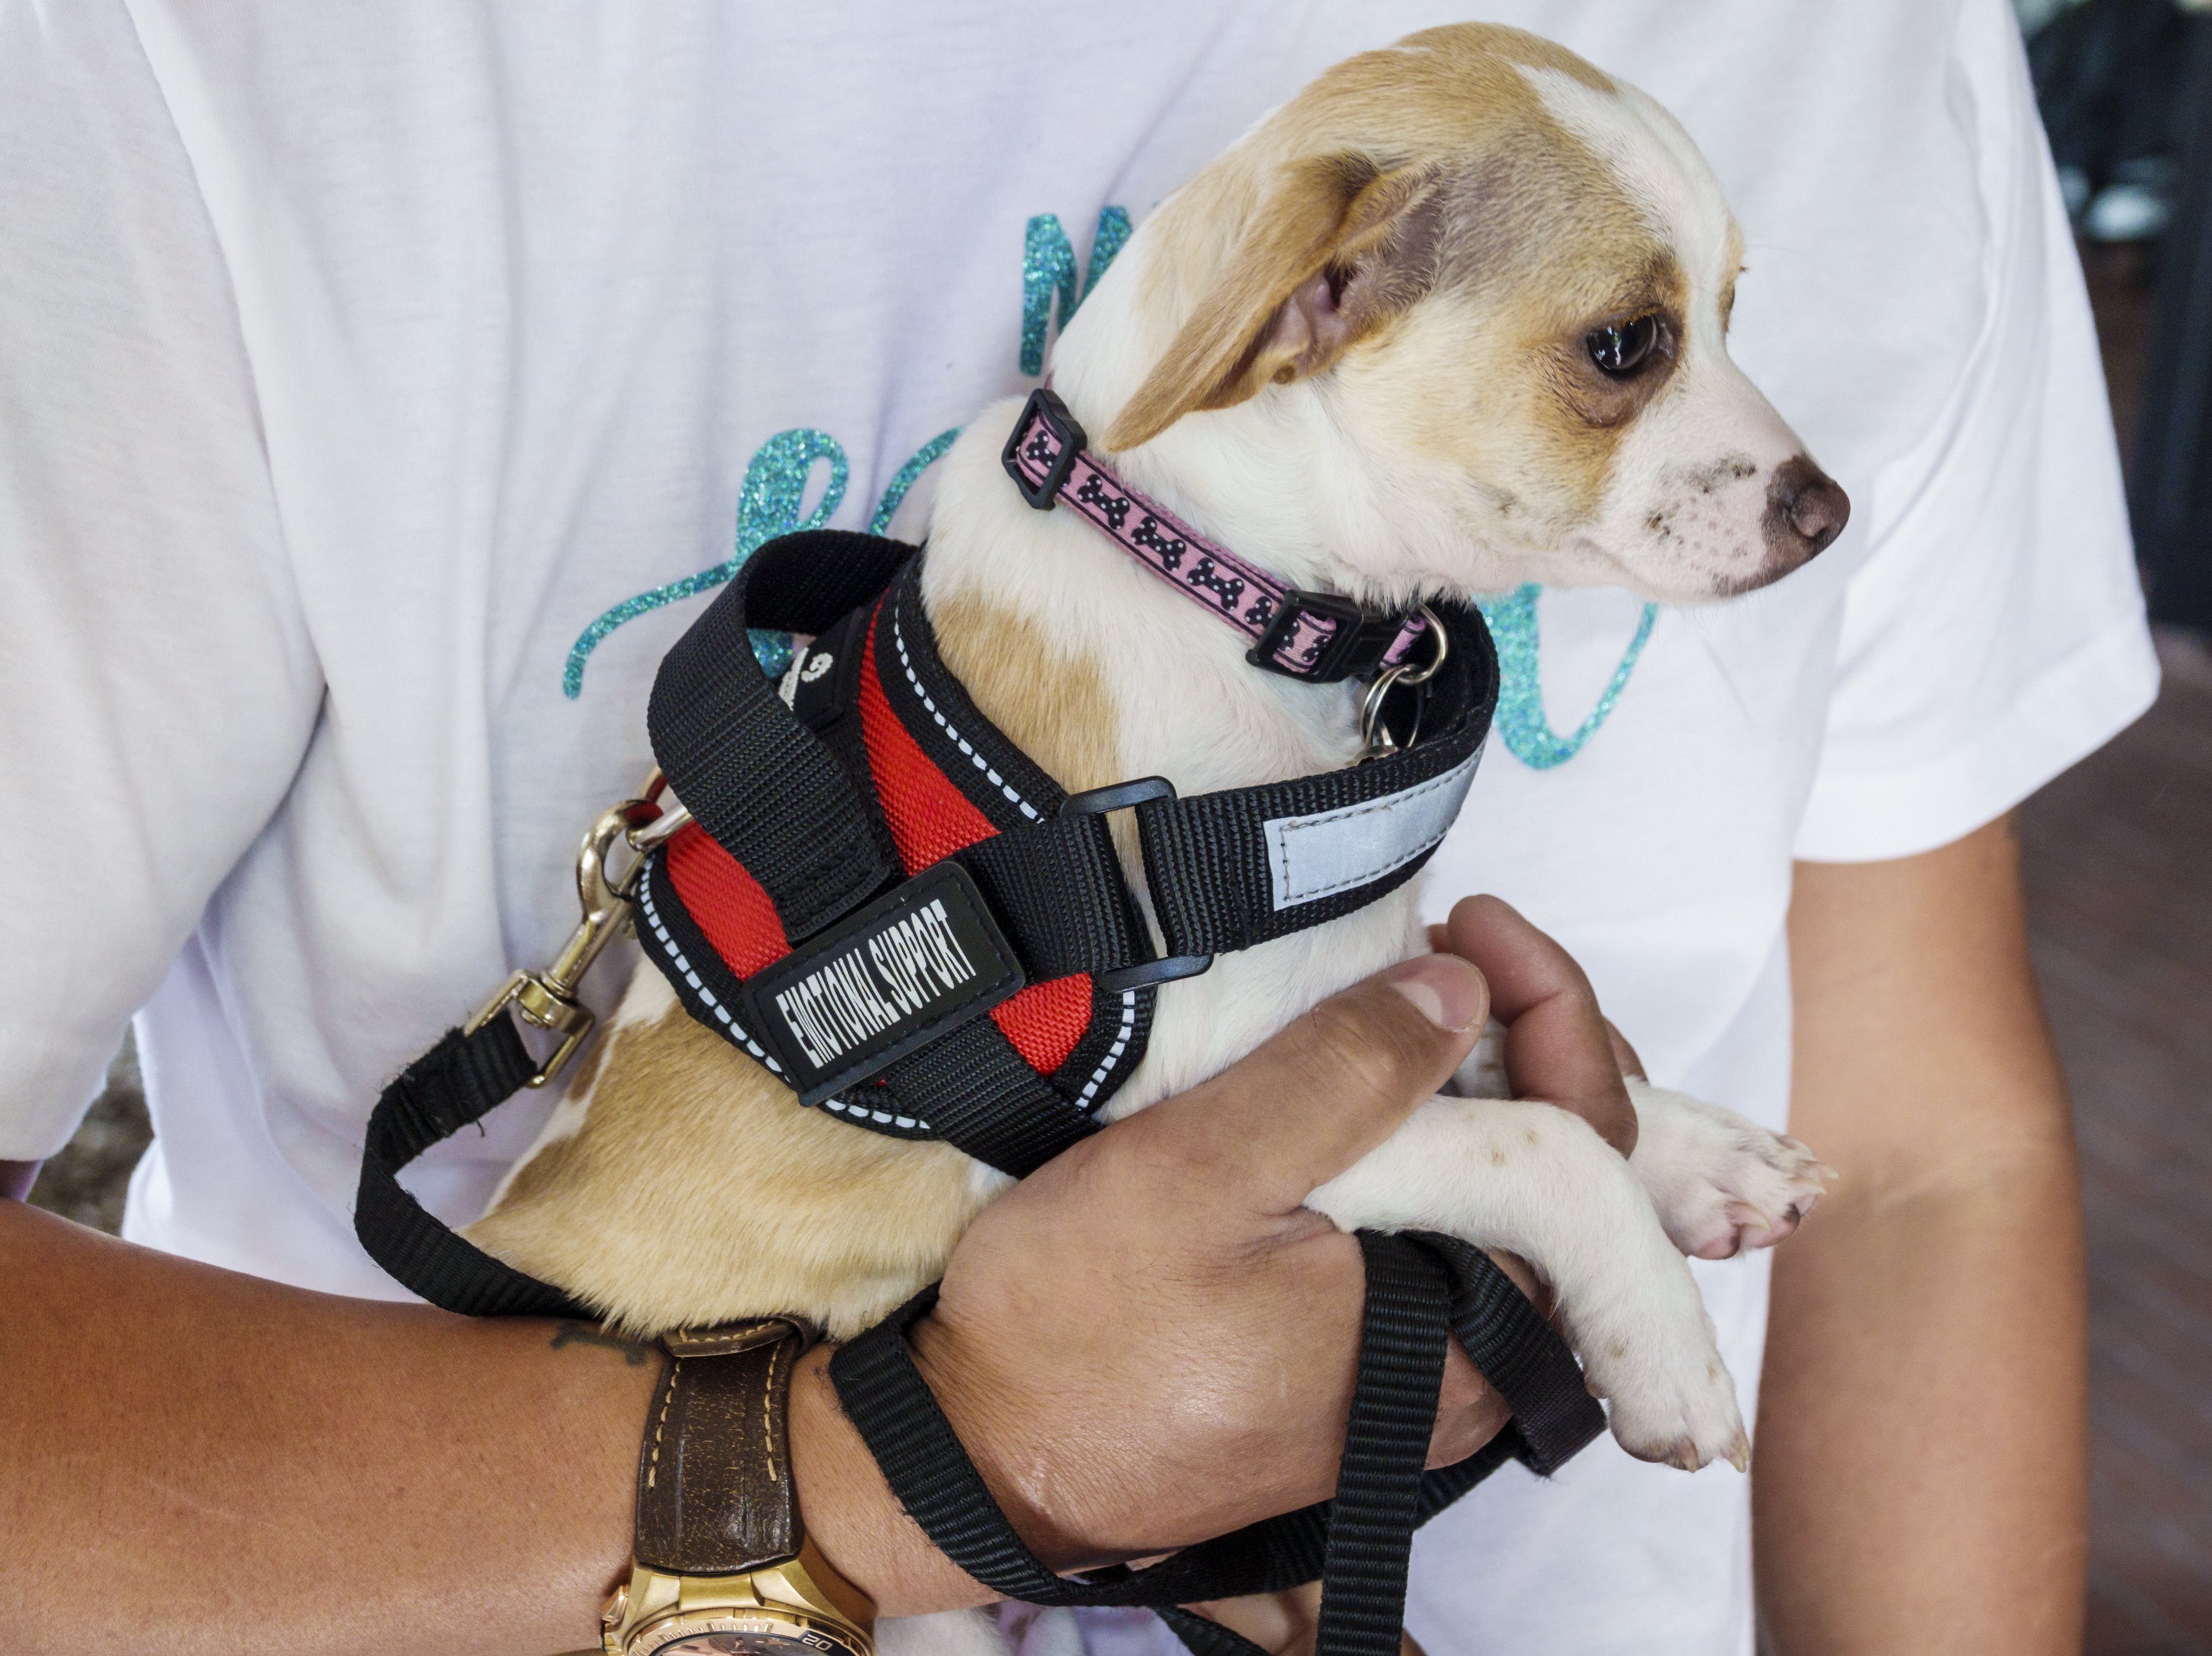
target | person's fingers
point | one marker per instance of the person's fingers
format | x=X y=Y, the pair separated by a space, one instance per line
x=1364 y=1058
x=1558 y=1048
x=1623 y=1054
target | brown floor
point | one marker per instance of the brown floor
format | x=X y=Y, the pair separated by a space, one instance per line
x=2118 y=860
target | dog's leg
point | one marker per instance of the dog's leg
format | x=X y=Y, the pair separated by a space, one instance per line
x=1719 y=1183
x=1537 y=1181
x=948 y=1633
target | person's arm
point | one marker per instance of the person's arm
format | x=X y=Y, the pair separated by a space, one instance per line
x=1920 y=1479
x=194 y=1459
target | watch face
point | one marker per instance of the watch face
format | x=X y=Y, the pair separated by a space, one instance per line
x=735 y=1636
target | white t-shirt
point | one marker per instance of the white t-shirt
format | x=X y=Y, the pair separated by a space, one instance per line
x=355 y=359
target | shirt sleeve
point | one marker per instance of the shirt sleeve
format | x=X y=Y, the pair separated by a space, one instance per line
x=158 y=682
x=1996 y=633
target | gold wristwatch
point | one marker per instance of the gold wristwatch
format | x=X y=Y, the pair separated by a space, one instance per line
x=723 y=1565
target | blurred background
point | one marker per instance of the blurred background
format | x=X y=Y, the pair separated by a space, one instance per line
x=2118 y=851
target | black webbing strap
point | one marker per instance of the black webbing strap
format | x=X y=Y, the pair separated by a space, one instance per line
x=1056 y=888
x=979 y=1094
x=727 y=742
x=1055 y=884
x=1518 y=1353
x=1207 y=856
x=452 y=1084
x=1358 y=1543
x=1378 y=1484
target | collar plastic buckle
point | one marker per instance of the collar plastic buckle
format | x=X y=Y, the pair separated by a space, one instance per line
x=1357 y=645
x=1043 y=415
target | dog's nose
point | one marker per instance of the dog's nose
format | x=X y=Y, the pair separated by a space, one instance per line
x=1805 y=510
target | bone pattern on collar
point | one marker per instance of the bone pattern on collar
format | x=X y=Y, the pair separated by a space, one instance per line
x=1210 y=575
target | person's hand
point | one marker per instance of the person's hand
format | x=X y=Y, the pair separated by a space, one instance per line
x=1548 y=1054
x=1151 y=1341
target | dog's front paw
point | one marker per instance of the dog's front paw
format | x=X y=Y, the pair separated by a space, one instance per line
x=1687 y=1423
x=1721 y=1183
x=1651 y=1354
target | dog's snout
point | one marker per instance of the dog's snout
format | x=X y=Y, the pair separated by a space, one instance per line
x=1805 y=510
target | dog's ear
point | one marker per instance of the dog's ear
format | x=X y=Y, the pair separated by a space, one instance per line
x=1337 y=247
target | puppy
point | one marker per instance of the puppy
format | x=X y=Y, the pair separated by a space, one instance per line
x=1453 y=319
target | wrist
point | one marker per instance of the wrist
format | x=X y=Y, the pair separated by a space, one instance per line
x=852 y=1516
x=1029 y=1481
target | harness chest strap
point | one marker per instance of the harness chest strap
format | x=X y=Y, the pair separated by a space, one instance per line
x=1042 y=893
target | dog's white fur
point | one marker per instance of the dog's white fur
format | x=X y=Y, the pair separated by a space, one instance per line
x=1347 y=478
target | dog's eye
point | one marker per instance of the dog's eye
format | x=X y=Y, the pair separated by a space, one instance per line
x=1619 y=349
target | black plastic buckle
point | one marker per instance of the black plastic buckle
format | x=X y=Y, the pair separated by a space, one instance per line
x=1356 y=646
x=1122 y=796
x=1118 y=796
x=1046 y=409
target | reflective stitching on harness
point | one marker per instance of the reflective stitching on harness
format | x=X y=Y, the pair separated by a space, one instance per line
x=708 y=998
x=1114 y=1052
x=707 y=995
x=843 y=1109
x=898 y=638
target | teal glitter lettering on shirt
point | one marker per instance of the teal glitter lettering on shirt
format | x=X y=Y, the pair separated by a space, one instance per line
x=1049 y=272
x=1521 y=719
x=903 y=479
x=768 y=500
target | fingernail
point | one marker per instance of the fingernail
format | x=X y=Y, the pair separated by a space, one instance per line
x=1450 y=991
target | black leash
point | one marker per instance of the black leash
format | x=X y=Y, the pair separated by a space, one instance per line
x=455 y=1083
x=1422 y=1290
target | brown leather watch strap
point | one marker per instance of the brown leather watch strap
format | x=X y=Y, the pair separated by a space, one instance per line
x=714 y=1478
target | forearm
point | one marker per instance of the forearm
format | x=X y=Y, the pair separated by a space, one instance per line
x=1920 y=1478
x=1920 y=1465
x=232 y=1462
x=192 y=1460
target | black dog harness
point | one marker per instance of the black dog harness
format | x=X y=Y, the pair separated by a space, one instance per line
x=873 y=892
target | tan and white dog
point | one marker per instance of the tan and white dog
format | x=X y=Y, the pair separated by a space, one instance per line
x=1451 y=320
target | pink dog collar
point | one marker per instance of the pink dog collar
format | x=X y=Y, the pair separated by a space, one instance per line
x=1320 y=637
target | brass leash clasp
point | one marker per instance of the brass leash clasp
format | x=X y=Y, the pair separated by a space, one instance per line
x=547 y=1000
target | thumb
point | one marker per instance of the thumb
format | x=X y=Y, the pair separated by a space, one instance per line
x=1331 y=1085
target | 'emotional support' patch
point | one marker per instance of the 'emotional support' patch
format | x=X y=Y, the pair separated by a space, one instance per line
x=917 y=962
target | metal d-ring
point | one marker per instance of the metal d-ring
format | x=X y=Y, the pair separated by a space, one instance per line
x=1373 y=733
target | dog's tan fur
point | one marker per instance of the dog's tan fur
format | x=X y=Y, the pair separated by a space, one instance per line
x=712 y=1195
x=1053 y=706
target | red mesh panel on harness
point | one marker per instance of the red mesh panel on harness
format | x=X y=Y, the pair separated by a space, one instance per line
x=725 y=903
x=930 y=819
